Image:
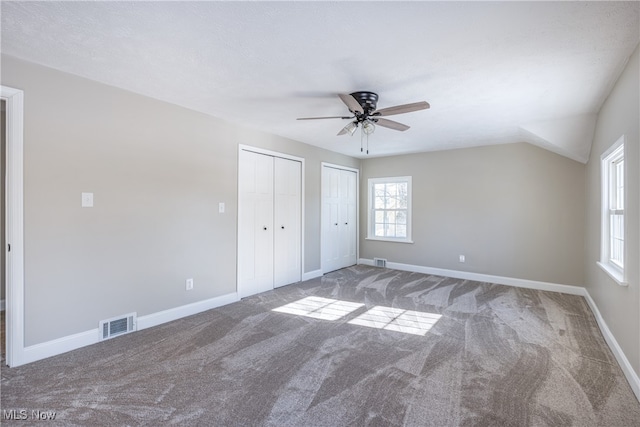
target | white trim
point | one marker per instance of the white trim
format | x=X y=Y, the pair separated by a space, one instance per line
x=357 y=172
x=500 y=280
x=14 y=225
x=625 y=365
x=58 y=346
x=311 y=275
x=258 y=150
x=73 y=342
x=169 y=315
x=388 y=239
x=613 y=273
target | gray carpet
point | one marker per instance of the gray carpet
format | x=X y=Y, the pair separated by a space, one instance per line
x=365 y=347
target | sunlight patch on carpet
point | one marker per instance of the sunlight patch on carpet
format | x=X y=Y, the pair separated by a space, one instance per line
x=388 y=318
x=397 y=319
x=319 y=308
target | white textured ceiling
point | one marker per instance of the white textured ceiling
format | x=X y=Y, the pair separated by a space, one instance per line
x=493 y=72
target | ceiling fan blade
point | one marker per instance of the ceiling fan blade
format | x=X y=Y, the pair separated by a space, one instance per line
x=405 y=108
x=391 y=124
x=351 y=102
x=320 y=118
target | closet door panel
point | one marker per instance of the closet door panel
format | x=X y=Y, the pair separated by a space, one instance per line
x=330 y=219
x=349 y=232
x=255 y=223
x=287 y=224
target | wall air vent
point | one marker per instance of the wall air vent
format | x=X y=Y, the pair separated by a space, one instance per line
x=380 y=262
x=117 y=326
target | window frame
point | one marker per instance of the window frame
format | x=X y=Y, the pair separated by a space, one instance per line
x=371 y=209
x=610 y=183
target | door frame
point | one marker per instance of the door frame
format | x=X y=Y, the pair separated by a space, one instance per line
x=324 y=165
x=243 y=147
x=14 y=226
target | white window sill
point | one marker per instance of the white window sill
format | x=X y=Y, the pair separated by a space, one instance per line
x=615 y=274
x=382 y=239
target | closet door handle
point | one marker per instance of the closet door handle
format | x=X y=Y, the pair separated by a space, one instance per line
x=336 y=223
x=346 y=223
x=264 y=228
x=282 y=227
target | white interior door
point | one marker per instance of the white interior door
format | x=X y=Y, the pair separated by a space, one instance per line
x=287 y=224
x=255 y=223
x=339 y=218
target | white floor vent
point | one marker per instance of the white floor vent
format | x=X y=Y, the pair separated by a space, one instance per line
x=380 y=262
x=117 y=326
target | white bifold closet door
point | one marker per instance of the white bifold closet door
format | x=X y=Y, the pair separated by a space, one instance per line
x=287 y=222
x=269 y=222
x=339 y=218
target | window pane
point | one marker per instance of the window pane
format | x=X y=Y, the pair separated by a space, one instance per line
x=392 y=189
x=390 y=230
x=379 y=230
x=392 y=202
x=379 y=216
x=617 y=239
x=379 y=196
x=620 y=185
x=401 y=230
x=391 y=217
x=401 y=217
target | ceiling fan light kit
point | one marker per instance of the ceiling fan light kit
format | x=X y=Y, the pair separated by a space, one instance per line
x=364 y=107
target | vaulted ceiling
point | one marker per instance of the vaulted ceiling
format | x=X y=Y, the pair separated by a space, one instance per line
x=493 y=72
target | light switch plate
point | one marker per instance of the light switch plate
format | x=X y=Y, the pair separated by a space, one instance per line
x=87 y=200
x=221 y=207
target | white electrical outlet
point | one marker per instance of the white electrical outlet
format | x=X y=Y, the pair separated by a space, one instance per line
x=189 y=284
x=87 y=200
x=462 y=258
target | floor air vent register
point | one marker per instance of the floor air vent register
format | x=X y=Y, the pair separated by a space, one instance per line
x=380 y=262
x=117 y=326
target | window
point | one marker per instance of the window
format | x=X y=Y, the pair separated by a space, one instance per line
x=390 y=209
x=612 y=242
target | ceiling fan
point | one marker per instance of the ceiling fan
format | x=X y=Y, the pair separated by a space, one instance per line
x=363 y=106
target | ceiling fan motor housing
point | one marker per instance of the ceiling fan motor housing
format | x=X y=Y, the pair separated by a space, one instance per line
x=367 y=100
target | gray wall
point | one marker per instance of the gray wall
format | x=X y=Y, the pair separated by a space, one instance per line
x=157 y=172
x=619 y=306
x=513 y=210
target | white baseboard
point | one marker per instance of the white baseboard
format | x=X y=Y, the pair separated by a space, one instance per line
x=627 y=369
x=311 y=275
x=2 y=305
x=176 y=313
x=58 y=346
x=479 y=277
x=72 y=342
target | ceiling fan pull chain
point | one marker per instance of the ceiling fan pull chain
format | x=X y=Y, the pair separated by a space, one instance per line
x=361 y=137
